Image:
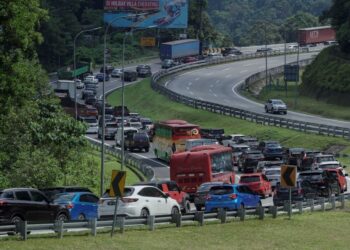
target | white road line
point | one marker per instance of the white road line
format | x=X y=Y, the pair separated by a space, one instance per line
x=166 y=83
x=249 y=64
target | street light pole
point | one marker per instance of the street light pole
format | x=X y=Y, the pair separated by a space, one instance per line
x=103 y=97
x=265 y=56
x=75 y=67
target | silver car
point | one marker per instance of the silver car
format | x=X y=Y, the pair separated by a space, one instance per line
x=274 y=176
x=275 y=106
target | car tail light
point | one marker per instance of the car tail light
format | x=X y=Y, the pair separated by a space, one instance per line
x=3 y=203
x=208 y=197
x=129 y=200
x=69 y=206
x=233 y=196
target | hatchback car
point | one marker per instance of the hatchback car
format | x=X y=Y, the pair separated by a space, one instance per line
x=51 y=192
x=231 y=197
x=258 y=182
x=139 y=201
x=271 y=150
x=81 y=205
x=202 y=192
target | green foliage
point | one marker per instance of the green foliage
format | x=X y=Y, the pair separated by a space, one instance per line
x=328 y=77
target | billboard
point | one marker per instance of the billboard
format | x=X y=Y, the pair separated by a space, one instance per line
x=149 y=13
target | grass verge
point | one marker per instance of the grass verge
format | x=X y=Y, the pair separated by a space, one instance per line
x=141 y=98
x=328 y=230
x=298 y=102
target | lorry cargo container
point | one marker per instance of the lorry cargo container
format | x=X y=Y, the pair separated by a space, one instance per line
x=314 y=35
x=180 y=48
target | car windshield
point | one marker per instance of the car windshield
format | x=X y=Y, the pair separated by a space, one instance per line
x=63 y=197
x=325 y=158
x=310 y=176
x=247 y=179
x=221 y=162
x=278 y=102
x=324 y=166
x=273 y=172
x=221 y=190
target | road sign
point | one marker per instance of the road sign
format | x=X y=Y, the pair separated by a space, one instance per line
x=148 y=41
x=291 y=73
x=288 y=176
x=117 y=183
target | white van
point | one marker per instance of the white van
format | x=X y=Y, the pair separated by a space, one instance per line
x=118 y=136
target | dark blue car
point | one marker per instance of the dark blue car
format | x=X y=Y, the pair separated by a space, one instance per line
x=81 y=205
x=99 y=76
x=231 y=197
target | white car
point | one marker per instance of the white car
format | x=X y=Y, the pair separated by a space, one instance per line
x=318 y=159
x=79 y=83
x=92 y=124
x=331 y=165
x=274 y=176
x=117 y=73
x=139 y=201
x=91 y=79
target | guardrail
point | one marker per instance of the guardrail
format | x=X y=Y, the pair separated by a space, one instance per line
x=130 y=161
x=316 y=128
x=60 y=227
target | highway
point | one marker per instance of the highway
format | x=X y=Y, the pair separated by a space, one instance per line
x=219 y=84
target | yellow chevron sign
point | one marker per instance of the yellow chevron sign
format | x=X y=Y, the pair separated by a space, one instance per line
x=117 y=183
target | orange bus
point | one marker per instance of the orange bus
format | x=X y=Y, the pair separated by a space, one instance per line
x=170 y=136
x=206 y=163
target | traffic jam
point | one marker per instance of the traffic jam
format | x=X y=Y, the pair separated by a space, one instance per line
x=208 y=171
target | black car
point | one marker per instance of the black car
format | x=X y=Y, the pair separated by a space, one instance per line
x=202 y=192
x=130 y=76
x=248 y=161
x=264 y=50
x=143 y=70
x=29 y=204
x=51 y=192
x=109 y=69
x=213 y=133
x=137 y=141
x=271 y=150
x=318 y=183
x=90 y=100
x=282 y=194
x=231 y=51
x=87 y=93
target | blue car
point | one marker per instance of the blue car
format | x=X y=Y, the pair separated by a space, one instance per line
x=231 y=197
x=99 y=77
x=81 y=205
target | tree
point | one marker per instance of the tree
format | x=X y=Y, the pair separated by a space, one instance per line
x=339 y=14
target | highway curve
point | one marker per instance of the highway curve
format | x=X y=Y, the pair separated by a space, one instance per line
x=219 y=84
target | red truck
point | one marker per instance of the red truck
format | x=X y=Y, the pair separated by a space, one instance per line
x=174 y=191
x=314 y=35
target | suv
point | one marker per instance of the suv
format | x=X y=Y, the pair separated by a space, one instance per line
x=110 y=130
x=252 y=142
x=212 y=133
x=319 y=183
x=28 y=204
x=341 y=178
x=231 y=51
x=143 y=70
x=137 y=141
x=248 y=161
x=320 y=158
x=257 y=182
x=168 y=63
x=275 y=106
x=91 y=79
x=282 y=194
x=130 y=75
x=271 y=150
x=173 y=190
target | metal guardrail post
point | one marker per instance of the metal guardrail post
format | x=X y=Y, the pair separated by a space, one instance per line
x=222 y=215
x=300 y=206
x=93 y=226
x=333 y=202
x=150 y=222
x=241 y=214
x=121 y=224
x=199 y=216
x=321 y=201
x=273 y=211
x=23 y=229
x=342 y=201
x=260 y=210
x=59 y=228
x=177 y=219
x=312 y=204
x=286 y=205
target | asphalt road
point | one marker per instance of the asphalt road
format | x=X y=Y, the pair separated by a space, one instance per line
x=219 y=84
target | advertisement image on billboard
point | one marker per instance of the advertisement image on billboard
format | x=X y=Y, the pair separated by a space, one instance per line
x=150 y=13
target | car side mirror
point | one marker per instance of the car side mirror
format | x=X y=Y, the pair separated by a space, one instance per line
x=346 y=174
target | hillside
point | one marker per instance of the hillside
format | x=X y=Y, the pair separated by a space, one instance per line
x=328 y=77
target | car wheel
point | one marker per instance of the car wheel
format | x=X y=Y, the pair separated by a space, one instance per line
x=241 y=206
x=144 y=212
x=62 y=217
x=16 y=219
x=147 y=150
x=285 y=112
x=175 y=210
x=81 y=217
x=198 y=207
x=266 y=110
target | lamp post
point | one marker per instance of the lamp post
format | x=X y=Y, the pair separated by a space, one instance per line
x=103 y=95
x=123 y=90
x=75 y=67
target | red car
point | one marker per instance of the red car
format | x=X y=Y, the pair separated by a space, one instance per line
x=338 y=173
x=189 y=59
x=257 y=182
